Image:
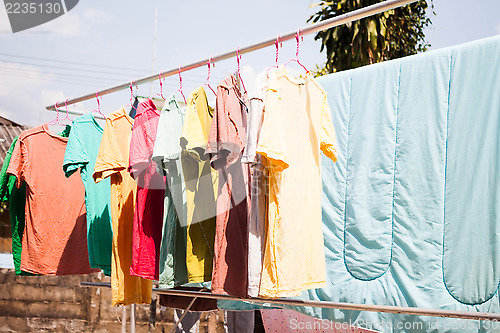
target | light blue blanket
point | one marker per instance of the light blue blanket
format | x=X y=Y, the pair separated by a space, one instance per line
x=411 y=210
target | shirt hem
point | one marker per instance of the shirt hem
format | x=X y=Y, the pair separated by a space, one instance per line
x=200 y=279
x=271 y=293
x=56 y=273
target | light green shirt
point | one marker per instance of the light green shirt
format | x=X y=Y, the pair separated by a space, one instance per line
x=166 y=154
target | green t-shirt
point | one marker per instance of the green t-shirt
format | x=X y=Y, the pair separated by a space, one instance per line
x=17 y=201
x=81 y=153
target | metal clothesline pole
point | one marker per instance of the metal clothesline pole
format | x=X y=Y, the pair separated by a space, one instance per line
x=325 y=304
x=313 y=28
x=340 y=305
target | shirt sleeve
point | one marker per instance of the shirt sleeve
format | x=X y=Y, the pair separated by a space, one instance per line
x=19 y=163
x=5 y=183
x=75 y=156
x=109 y=159
x=328 y=140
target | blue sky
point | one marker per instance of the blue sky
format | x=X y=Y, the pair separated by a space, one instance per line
x=99 y=44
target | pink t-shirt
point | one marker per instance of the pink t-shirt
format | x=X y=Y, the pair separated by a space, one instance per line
x=148 y=215
x=226 y=141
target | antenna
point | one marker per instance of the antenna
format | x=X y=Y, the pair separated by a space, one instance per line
x=154 y=49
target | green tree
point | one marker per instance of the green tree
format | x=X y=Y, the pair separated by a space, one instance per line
x=392 y=34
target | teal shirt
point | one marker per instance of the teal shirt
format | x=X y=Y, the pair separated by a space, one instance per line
x=81 y=153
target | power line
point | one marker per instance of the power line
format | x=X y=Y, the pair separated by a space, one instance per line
x=65 y=68
x=72 y=62
x=69 y=76
x=25 y=72
x=80 y=83
x=116 y=76
x=143 y=71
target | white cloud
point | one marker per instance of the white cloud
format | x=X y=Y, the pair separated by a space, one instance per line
x=17 y=77
x=68 y=25
x=92 y=15
x=76 y=24
x=22 y=93
x=48 y=96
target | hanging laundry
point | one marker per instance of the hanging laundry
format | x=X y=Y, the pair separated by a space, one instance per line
x=17 y=201
x=81 y=153
x=201 y=188
x=258 y=185
x=148 y=215
x=226 y=141
x=296 y=126
x=55 y=235
x=112 y=161
x=167 y=155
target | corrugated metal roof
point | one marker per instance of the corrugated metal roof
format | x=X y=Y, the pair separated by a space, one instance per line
x=8 y=131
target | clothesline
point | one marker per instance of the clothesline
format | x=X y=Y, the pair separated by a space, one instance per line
x=323 y=304
x=313 y=28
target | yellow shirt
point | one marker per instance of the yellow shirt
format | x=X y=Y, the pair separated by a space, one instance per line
x=112 y=161
x=296 y=125
x=201 y=188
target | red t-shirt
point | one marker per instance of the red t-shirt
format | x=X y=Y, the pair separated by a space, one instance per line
x=148 y=215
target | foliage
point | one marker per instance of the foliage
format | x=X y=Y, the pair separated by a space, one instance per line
x=389 y=35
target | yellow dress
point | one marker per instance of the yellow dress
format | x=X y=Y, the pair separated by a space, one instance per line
x=296 y=126
x=112 y=161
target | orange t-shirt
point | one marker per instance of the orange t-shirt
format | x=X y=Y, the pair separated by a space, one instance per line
x=112 y=161
x=55 y=237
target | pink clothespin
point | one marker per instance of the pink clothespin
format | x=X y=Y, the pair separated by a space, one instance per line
x=67 y=111
x=298 y=38
x=180 y=86
x=131 y=96
x=238 y=57
x=277 y=44
x=55 y=121
x=209 y=62
x=98 y=105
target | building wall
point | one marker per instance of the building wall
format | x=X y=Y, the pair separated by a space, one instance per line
x=60 y=304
